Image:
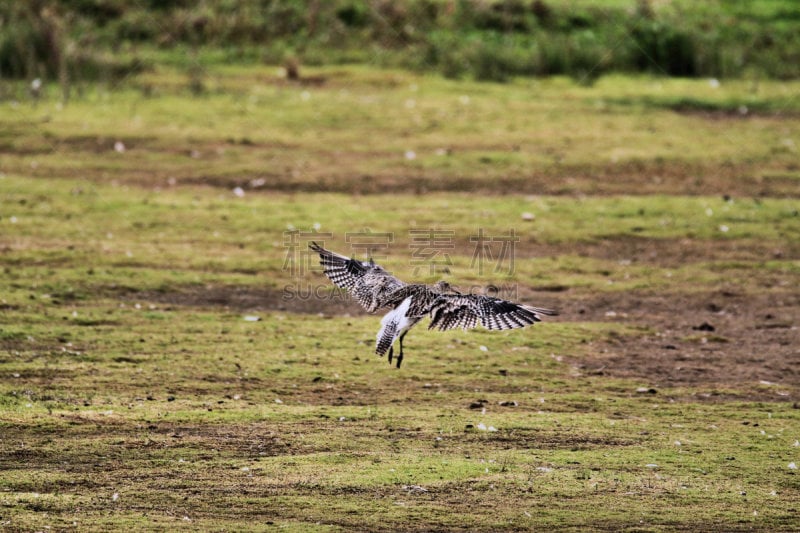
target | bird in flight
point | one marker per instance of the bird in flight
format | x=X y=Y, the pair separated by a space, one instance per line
x=374 y=288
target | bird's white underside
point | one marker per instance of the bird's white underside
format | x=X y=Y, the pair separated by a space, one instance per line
x=396 y=321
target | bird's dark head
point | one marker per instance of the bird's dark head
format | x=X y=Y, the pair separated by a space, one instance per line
x=443 y=287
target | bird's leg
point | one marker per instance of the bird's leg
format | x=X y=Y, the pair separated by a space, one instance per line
x=400 y=355
x=391 y=353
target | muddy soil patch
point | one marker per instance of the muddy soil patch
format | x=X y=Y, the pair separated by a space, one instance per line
x=664 y=253
x=356 y=173
x=640 y=178
x=244 y=298
x=714 y=339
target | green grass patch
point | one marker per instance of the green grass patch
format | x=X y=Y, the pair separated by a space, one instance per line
x=122 y=404
x=138 y=391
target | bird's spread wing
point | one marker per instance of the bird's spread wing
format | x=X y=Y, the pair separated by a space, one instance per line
x=369 y=284
x=466 y=311
x=343 y=271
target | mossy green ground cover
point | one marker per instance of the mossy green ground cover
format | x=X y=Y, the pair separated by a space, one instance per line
x=134 y=393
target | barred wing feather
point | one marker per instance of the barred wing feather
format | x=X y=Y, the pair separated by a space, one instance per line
x=450 y=311
x=343 y=271
x=369 y=283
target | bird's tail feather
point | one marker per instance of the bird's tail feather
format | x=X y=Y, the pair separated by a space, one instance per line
x=385 y=338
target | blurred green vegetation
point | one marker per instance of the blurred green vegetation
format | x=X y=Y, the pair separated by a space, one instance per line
x=486 y=40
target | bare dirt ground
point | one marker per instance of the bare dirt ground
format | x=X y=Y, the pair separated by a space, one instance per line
x=709 y=339
x=741 y=334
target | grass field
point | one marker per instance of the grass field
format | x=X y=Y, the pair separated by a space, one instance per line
x=144 y=229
